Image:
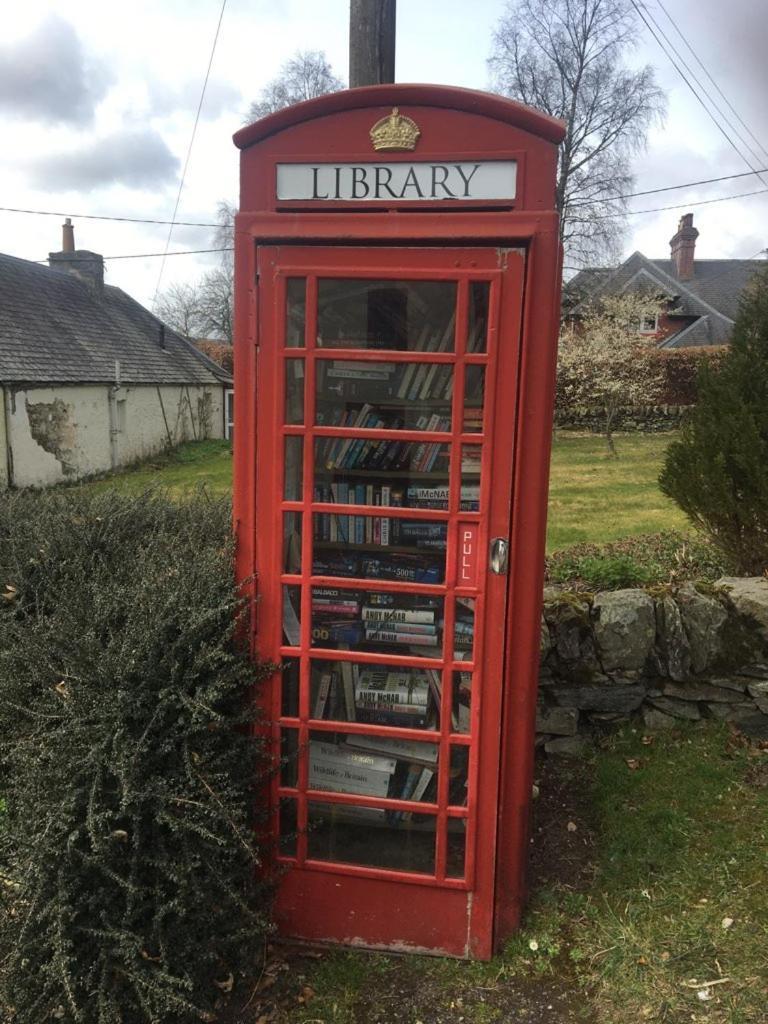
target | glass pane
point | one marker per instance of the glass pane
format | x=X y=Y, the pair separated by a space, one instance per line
x=294 y=457
x=416 y=316
x=289 y=699
x=470 y=476
x=461 y=703
x=397 y=840
x=295 y=311
x=402 y=472
x=457 y=841
x=388 y=695
x=377 y=621
x=457 y=785
x=294 y=391
x=289 y=758
x=374 y=766
x=384 y=395
x=377 y=547
x=292 y=616
x=474 y=394
x=464 y=628
x=292 y=542
x=479 y=292
x=288 y=827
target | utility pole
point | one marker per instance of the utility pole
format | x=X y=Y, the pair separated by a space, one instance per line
x=371 y=42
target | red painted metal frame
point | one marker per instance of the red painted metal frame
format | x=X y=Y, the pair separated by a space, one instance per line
x=460 y=917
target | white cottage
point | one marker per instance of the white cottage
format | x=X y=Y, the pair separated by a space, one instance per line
x=89 y=379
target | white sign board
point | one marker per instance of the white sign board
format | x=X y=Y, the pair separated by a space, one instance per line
x=487 y=179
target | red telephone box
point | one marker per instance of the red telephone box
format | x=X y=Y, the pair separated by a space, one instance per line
x=397 y=301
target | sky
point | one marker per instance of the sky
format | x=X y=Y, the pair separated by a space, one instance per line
x=98 y=101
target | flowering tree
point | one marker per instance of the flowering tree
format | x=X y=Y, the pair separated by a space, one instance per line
x=606 y=358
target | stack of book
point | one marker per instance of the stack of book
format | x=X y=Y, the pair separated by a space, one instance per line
x=401 y=625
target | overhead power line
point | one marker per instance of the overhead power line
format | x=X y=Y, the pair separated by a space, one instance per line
x=189 y=149
x=143 y=255
x=671 y=53
x=728 y=103
x=681 y=206
x=666 y=188
x=104 y=216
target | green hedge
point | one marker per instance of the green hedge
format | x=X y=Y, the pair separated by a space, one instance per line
x=129 y=866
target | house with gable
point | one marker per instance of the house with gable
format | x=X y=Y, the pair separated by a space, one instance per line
x=702 y=295
x=89 y=379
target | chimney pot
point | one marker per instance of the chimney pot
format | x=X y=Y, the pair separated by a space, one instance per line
x=67 y=236
x=683 y=248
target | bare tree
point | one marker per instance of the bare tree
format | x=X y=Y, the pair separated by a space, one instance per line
x=179 y=307
x=307 y=74
x=223 y=236
x=566 y=57
x=216 y=304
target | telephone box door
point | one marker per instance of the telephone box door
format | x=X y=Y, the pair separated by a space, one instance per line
x=386 y=404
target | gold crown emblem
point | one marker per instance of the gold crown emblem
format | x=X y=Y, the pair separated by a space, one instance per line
x=395 y=131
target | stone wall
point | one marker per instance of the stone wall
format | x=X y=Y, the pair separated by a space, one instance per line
x=661 y=657
x=647 y=418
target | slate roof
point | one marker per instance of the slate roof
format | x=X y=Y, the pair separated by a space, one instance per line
x=56 y=329
x=711 y=296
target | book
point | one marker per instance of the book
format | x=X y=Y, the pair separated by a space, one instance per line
x=349 y=686
x=339 y=768
x=394 y=717
x=291 y=625
x=404 y=750
x=323 y=691
x=381 y=636
x=421 y=615
x=383 y=687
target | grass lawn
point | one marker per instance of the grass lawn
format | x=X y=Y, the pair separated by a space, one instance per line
x=593 y=497
x=200 y=463
x=649 y=905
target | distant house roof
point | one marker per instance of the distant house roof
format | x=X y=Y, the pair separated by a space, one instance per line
x=56 y=328
x=704 y=294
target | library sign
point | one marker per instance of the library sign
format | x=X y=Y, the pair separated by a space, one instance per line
x=483 y=179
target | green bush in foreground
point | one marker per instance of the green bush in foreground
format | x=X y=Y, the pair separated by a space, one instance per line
x=718 y=471
x=129 y=868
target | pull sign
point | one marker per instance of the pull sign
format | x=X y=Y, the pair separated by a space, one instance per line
x=467 y=573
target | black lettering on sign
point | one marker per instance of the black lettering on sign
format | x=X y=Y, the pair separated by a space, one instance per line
x=338 y=182
x=358 y=178
x=466 y=179
x=411 y=181
x=380 y=172
x=315 y=193
x=442 y=170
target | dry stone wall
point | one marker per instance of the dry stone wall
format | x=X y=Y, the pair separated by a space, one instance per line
x=666 y=656
x=644 y=418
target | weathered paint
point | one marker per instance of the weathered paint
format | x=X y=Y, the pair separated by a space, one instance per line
x=63 y=432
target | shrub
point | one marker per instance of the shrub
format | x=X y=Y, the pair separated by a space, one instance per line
x=652 y=558
x=605 y=361
x=718 y=471
x=680 y=367
x=130 y=888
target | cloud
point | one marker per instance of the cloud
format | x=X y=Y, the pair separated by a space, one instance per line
x=48 y=76
x=136 y=159
x=220 y=96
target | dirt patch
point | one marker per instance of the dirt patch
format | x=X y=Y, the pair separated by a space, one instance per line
x=300 y=986
x=564 y=829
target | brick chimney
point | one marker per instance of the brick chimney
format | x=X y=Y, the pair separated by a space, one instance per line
x=683 y=247
x=83 y=264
